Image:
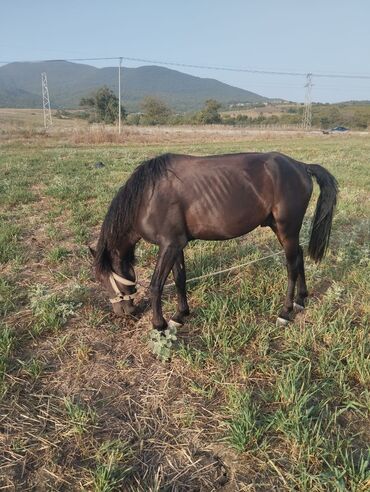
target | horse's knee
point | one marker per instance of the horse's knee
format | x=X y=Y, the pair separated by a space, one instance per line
x=155 y=291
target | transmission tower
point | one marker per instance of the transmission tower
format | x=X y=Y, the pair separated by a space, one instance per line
x=307 y=114
x=46 y=101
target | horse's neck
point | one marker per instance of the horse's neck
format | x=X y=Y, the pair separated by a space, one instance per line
x=116 y=263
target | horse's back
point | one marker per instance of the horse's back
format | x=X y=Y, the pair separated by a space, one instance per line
x=225 y=196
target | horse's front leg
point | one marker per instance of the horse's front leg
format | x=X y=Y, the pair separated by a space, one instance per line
x=166 y=259
x=179 y=275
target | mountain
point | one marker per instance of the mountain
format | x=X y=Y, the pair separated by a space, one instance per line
x=20 y=86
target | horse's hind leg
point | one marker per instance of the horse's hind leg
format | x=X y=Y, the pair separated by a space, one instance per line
x=294 y=263
x=302 y=292
x=179 y=275
x=292 y=255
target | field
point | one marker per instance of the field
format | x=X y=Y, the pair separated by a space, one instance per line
x=353 y=115
x=243 y=405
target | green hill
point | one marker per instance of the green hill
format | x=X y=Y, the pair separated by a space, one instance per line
x=20 y=86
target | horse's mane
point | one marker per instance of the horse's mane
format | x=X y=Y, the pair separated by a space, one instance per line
x=122 y=212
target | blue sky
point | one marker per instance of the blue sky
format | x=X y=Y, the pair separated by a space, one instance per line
x=307 y=36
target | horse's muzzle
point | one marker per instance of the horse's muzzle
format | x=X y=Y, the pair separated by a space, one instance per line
x=124 y=307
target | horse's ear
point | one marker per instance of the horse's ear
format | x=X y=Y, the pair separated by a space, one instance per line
x=92 y=251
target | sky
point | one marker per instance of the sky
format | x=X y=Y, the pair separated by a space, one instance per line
x=319 y=36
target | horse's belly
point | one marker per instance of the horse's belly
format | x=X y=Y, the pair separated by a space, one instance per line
x=225 y=203
x=225 y=222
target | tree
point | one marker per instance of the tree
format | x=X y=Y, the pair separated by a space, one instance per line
x=210 y=112
x=360 y=120
x=156 y=111
x=334 y=116
x=105 y=105
x=324 y=122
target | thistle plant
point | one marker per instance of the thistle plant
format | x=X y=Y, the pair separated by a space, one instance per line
x=161 y=343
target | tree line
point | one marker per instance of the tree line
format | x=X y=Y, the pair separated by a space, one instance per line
x=102 y=107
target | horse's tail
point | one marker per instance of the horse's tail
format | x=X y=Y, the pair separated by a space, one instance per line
x=321 y=224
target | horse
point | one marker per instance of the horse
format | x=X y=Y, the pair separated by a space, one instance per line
x=173 y=199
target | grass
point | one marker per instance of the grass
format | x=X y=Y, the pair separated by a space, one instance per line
x=7 y=342
x=80 y=418
x=10 y=243
x=241 y=404
x=50 y=310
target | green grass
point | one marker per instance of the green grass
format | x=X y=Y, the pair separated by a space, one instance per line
x=50 y=310
x=111 y=470
x=7 y=343
x=9 y=296
x=80 y=417
x=10 y=240
x=58 y=254
x=87 y=406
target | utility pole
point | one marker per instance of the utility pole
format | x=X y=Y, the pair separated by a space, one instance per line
x=46 y=101
x=307 y=114
x=119 y=95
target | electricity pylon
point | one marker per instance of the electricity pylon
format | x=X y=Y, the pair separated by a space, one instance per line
x=46 y=101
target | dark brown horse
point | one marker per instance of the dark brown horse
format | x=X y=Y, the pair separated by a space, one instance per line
x=172 y=199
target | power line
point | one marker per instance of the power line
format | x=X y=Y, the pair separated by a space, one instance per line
x=203 y=67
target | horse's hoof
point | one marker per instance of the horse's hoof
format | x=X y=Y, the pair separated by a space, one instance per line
x=282 y=321
x=297 y=307
x=174 y=324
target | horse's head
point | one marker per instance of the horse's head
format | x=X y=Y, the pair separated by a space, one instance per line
x=121 y=290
